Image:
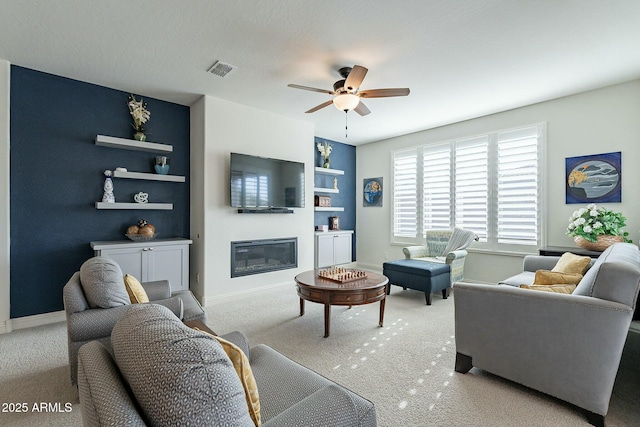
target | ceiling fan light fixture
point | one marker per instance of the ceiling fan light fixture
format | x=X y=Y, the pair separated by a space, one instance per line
x=346 y=101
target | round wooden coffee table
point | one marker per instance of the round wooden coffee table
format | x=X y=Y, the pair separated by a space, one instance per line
x=312 y=288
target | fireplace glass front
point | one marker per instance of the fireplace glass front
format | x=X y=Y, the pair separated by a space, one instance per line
x=260 y=256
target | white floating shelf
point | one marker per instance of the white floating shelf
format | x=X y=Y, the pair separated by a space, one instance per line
x=132 y=144
x=327 y=171
x=148 y=176
x=326 y=190
x=156 y=206
x=329 y=209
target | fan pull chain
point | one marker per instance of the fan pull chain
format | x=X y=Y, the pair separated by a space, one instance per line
x=346 y=123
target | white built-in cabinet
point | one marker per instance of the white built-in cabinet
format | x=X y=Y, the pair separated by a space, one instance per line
x=333 y=248
x=161 y=259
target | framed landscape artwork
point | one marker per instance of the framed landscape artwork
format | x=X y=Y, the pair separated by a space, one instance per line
x=594 y=179
x=372 y=192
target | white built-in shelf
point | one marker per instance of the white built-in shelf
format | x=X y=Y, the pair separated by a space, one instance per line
x=326 y=190
x=329 y=209
x=117 y=205
x=328 y=171
x=148 y=176
x=132 y=144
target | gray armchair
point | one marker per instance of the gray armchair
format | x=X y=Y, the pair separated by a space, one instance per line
x=85 y=324
x=565 y=345
x=444 y=246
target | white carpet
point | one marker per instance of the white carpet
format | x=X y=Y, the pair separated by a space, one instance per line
x=405 y=368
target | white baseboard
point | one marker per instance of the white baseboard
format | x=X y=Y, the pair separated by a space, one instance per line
x=35 y=320
x=6 y=327
x=376 y=268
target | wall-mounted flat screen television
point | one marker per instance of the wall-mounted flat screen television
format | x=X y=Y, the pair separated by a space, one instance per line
x=265 y=183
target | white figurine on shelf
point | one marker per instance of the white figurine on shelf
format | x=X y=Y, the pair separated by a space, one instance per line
x=108 y=196
x=335 y=183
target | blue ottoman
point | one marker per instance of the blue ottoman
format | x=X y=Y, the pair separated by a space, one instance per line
x=424 y=276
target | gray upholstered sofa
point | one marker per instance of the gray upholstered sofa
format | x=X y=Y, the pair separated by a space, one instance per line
x=87 y=322
x=161 y=372
x=565 y=345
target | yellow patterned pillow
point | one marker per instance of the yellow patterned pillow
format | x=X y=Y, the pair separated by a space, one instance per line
x=243 y=369
x=546 y=277
x=560 y=289
x=136 y=292
x=572 y=264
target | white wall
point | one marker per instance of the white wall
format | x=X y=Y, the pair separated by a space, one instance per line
x=599 y=121
x=233 y=127
x=5 y=323
x=197 y=187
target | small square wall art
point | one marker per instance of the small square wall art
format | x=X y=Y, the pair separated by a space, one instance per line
x=594 y=179
x=372 y=192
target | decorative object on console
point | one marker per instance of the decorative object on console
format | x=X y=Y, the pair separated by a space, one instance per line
x=596 y=228
x=334 y=223
x=322 y=201
x=322 y=227
x=595 y=178
x=162 y=165
x=140 y=114
x=325 y=151
x=342 y=274
x=108 y=196
x=141 y=197
x=372 y=192
x=141 y=231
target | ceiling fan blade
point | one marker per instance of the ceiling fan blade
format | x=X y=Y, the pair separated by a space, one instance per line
x=318 y=107
x=313 y=89
x=384 y=93
x=355 y=77
x=362 y=109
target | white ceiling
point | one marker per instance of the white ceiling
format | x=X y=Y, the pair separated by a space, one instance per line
x=460 y=58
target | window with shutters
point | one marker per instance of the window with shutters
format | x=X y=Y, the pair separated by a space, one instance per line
x=405 y=194
x=490 y=184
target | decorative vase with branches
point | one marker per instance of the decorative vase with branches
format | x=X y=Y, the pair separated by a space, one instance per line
x=140 y=115
x=325 y=151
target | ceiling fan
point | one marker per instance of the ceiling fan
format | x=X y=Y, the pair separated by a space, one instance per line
x=347 y=95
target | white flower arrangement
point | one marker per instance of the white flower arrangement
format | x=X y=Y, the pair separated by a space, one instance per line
x=590 y=222
x=139 y=112
x=324 y=149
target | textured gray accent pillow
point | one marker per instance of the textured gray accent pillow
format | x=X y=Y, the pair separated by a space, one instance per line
x=179 y=376
x=103 y=284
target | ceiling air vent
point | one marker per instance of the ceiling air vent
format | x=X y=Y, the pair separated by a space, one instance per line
x=221 y=69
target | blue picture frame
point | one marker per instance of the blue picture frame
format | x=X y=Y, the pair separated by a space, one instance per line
x=372 y=192
x=594 y=179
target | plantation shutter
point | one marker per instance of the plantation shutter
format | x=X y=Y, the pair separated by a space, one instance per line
x=518 y=187
x=264 y=197
x=436 y=198
x=405 y=193
x=472 y=185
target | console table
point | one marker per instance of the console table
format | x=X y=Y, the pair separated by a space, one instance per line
x=559 y=250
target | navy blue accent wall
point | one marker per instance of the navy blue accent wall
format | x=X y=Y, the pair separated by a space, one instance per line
x=343 y=157
x=57 y=176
